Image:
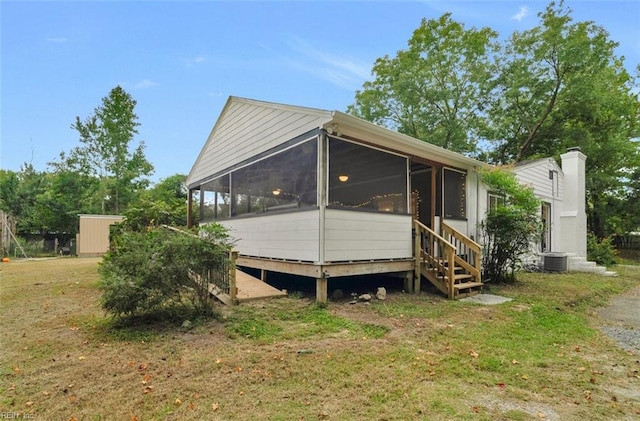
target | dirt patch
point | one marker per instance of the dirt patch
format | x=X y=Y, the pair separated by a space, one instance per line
x=621 y=320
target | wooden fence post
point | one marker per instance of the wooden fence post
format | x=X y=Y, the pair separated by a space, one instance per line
x=417 y=256
x=233 y=290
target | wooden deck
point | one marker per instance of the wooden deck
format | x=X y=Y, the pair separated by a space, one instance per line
x=251 y=288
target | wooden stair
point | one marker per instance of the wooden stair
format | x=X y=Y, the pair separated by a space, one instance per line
x=446 y=263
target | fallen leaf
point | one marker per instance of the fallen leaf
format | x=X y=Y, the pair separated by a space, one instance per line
x=46 y=393
x=215 y=406
x=524 y=377
x=30 y=403
x=143 y=367
x=178 y=401
x=473 y=353
x=134 y=418
x=81 y=358
x=218 y=361
x=238 y=369
x=514 y=362
x=502 y=385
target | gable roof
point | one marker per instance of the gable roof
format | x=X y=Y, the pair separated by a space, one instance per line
x=247 y=127
x=548 y=161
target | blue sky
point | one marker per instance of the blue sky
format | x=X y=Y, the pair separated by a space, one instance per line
x=181 y=60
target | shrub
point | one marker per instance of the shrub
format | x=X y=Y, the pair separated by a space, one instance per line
x=602 y=252
x=150 y=270
x=509 y=227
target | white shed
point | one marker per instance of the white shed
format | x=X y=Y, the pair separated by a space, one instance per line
x=93 y=236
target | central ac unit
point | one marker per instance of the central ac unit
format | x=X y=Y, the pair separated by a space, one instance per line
x=555 y=262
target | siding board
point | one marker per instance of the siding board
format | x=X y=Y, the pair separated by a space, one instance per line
x=247 y=128
x=366 y=236
x=292 y=236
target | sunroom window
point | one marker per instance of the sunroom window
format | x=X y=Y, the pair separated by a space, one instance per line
x=286 y=180
x=215 y=201
x=455 y=197
x=363 y=178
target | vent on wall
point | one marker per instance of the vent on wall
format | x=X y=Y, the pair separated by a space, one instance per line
x=555 y=262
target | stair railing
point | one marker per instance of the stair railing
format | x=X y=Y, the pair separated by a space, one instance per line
x=468 y=252
x=437 y=256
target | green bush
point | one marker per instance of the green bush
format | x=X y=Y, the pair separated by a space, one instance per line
x=151 y=270
x=509 y=227
x=600 y=251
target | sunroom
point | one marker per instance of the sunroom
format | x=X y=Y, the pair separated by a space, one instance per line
x=324 y=194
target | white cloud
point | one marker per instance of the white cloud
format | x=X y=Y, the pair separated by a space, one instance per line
x=524 y=11
x=145 y=84
x=57 y=40
x=195 y=61
x=343 y=71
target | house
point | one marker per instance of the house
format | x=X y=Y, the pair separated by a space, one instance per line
x=324 y=194
x=561 y=189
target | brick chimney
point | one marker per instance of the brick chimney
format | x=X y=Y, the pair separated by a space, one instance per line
x=573 y=218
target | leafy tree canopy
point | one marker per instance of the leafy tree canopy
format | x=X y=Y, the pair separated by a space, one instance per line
x=436 y=89
x=107 y=151
x=555 y=86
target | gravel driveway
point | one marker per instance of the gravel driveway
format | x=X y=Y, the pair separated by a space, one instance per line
x=621 y=319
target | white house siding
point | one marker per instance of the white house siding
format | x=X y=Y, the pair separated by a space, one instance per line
x=535 y=174
x=353 y=235
x=247 y=128
x=291 y=236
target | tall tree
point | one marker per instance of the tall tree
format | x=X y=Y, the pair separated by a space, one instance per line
x=562 y=85
x=163 y=204
x=63 y=196
x=437 y=89
x=107 y=151
x=18 y=197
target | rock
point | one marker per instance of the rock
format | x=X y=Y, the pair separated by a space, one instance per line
x=382 y=293
x=337 y=294
x=365 y=297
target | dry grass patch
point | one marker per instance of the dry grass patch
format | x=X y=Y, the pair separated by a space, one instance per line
x=409 y=357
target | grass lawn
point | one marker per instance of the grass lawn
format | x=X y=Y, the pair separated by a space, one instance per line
x=540 y=356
